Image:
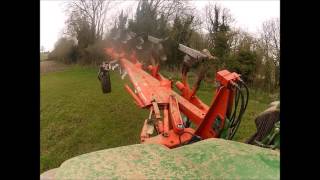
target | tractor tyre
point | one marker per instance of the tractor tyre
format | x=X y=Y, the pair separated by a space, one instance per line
x=105 y=82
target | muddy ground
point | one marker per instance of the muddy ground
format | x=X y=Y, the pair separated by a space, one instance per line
x=51 y=66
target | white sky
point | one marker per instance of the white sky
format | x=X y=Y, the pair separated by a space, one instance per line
x=249 y=15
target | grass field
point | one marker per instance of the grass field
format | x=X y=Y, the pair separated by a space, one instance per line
x=77 y=118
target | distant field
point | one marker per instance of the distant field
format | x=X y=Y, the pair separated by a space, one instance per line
x=43 y=56
x=77 y=118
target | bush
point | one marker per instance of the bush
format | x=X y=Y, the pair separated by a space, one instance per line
x=64 y=51
x=244 y=63
x=94 y=54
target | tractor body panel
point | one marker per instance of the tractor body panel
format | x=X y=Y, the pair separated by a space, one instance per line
x=208 y=159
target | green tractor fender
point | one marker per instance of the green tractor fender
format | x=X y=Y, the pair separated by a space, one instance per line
x=207 y=159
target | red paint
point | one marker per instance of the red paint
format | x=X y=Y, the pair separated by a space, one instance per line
x=152 y=89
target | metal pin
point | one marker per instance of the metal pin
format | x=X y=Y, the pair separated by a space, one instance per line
x=124 y=75
x=115 y=66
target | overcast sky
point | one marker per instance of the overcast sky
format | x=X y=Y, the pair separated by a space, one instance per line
x=249 y=15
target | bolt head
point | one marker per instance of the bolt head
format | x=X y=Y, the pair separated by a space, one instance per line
x=165 y=134
x=180 y=126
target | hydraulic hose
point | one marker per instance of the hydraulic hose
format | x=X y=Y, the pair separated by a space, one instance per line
x=235 y=125
x=247 y=91
x=235 y=106
x=236 y=120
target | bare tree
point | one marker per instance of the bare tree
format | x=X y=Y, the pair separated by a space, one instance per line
x=217 y=19
x=169 y=9
x=240 y=38
x=270 y=36
x=91 y=12
x=270 y=44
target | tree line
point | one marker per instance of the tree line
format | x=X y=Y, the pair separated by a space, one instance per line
x=255 y=57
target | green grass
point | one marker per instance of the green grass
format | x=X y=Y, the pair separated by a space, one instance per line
x=77 y=118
